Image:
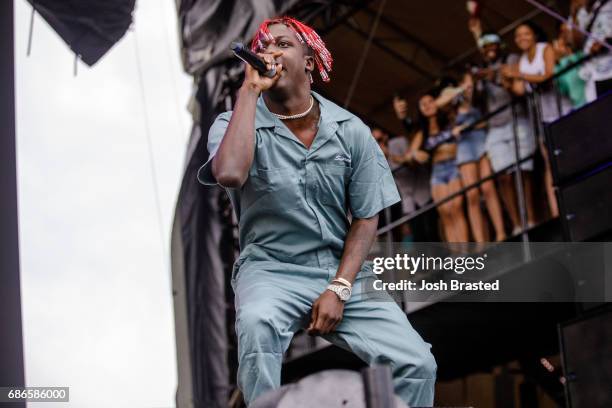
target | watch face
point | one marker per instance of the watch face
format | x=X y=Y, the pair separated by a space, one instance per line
x=345 y=293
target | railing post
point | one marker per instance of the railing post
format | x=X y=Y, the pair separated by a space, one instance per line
x=536 y=108
x=378 y=387
x=558 y=99
x=518 y=178
x=389 y=242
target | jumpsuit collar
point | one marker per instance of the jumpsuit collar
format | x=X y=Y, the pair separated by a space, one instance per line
x=331 y=115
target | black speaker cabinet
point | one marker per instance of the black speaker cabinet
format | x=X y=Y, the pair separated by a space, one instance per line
x=586 y=205
x=586 y=351
x=581 y=141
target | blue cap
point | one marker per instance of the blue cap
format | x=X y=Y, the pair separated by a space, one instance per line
x=487 y=39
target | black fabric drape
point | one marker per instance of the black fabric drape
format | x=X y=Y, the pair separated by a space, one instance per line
x=89 y=27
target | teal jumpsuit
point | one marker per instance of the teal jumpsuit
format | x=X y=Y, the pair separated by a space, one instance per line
x=293 y=214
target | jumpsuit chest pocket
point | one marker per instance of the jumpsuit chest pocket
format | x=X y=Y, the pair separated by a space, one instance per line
x=270 y=180
x=333 y=184
x=273 y=190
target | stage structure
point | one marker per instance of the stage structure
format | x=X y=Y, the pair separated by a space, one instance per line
x=11 y=341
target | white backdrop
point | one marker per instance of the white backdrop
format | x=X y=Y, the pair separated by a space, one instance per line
x=96 y=287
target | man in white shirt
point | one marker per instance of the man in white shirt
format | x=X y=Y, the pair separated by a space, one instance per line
x=596 y=17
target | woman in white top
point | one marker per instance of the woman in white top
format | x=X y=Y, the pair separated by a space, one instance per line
x=536 y=66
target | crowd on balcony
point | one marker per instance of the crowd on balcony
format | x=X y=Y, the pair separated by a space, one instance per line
x=449 y=147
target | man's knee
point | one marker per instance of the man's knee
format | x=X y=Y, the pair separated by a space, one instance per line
x=428 y=365
x=256 y=328
x=421 y=366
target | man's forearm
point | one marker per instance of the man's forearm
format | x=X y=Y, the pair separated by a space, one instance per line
x=233 y=160
x=356 y=247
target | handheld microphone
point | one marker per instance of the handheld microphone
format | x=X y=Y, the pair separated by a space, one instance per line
x=252 y=59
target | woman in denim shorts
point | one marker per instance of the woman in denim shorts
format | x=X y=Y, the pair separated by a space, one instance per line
x=435 y=141
x=474 y=164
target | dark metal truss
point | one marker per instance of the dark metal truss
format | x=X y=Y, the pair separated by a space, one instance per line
x=325 y=15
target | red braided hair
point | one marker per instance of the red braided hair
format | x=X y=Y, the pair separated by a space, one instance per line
x=305 y=34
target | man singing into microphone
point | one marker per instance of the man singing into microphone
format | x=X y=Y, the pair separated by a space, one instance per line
x=295 y=165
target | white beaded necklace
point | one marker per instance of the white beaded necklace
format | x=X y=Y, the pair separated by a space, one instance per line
x=297 y=115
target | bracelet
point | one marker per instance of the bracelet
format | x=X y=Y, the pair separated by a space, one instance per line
x=343 y=281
